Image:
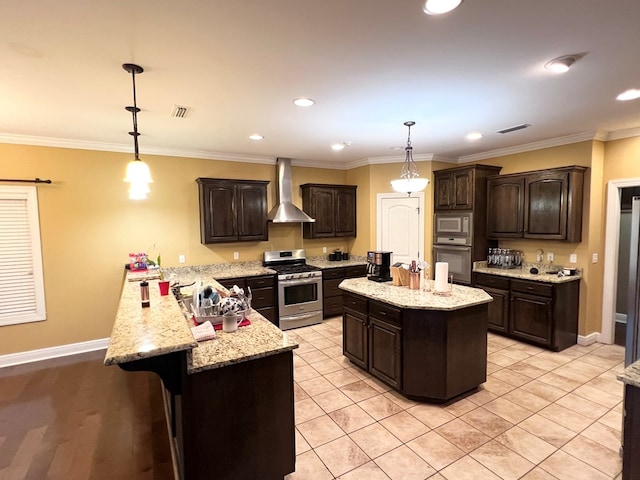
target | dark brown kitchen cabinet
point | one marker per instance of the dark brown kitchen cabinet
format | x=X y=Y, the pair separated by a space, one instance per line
x=331 y=293
x=543 y=205
x=505 y=206
x=333 y=207
x=372 y=338
x=232 y=210
x=263 y=293
x=462 y=188
x=355 y=330
x=543 y=313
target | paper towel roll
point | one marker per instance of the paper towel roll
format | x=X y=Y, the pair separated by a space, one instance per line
x=442 y=277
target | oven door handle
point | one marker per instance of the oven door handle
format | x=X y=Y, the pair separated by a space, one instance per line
x=299 y=281
x=456 y=248
x=299 y=316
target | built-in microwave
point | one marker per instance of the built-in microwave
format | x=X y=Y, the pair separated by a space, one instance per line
x=453 y=228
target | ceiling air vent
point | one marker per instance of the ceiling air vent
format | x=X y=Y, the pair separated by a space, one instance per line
x=180 y=112
x=514 y=128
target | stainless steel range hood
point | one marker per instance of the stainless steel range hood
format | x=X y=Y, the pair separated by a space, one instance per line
x=285 y=211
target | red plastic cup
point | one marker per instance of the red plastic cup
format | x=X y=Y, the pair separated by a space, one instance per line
x=164 y=287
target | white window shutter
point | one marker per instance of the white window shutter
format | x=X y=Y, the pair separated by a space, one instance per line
x=21 y=279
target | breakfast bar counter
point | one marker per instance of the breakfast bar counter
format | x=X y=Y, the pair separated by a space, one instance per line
x=426 y=346
x=224 y=397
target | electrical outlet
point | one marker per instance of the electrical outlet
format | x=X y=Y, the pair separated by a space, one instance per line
x=236 y=255
x=549 y=256
x=181 y=258
x=324 y=249
x=573 y=258
x=594 y=258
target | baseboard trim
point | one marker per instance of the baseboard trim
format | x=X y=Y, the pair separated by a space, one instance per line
x=586 y=340
x=52 y=352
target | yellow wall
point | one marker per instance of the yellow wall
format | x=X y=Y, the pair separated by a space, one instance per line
x=88 y=226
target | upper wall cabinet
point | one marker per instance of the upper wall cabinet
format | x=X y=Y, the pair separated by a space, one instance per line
x=333 y=207
x=233 y=210
x=461 y=188
x=544 y=205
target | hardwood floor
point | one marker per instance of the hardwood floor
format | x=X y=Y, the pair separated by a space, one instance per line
x=73 y=418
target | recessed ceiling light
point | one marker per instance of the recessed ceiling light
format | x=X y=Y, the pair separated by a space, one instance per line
x=630 y=94
x=303 y=102
x=474 y=136
x=560 y=64
x=438 y=7
x=256 y=136
x=336 y=147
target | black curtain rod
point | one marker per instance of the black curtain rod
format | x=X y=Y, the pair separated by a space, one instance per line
x=35 y=180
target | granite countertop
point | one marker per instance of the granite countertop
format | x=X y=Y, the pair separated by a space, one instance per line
x=631 y=375
x=218 y=271
x=523 y=273
x=147 y=332
x=324 y=262
x=260 y=339
x=461 y=296
x=163 y=328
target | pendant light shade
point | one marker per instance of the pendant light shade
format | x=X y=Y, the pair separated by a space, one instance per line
x=409 y=180
x=138 y=174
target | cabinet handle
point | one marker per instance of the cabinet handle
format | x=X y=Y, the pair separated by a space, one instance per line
x=383 y=314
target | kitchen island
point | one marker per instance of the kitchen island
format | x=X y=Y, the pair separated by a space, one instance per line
x=426 y=346
x=229 y=401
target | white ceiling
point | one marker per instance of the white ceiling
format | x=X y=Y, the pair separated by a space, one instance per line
x=369 y=64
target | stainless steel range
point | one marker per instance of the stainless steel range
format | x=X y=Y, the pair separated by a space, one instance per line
x=299 y=288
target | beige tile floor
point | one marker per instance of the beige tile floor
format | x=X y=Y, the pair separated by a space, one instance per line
x=540 y=416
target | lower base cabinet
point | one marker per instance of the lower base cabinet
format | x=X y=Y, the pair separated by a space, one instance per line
x=263 y=293
x=424 y=354
x=331 y=293
x=631 y=433
x=542 y=313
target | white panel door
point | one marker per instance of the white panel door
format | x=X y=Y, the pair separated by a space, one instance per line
x=401 y=226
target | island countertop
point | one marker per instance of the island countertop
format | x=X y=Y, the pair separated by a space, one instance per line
x=631 y=375
x=162 y=328
x=461 y=296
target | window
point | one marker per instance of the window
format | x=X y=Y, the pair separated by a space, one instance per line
x=21 y=283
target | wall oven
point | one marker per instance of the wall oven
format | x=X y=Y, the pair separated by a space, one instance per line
x=459 y=260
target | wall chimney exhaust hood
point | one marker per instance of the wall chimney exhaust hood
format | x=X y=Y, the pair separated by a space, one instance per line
x=285 y=211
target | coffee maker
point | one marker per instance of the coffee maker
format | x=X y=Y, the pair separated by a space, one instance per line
x=378 y=264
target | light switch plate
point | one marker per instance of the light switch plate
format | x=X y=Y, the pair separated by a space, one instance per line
x=181 y=259
x=549 y=256
x=594 y=258
x=236 y=255
x=324 y=249
x=573 y=258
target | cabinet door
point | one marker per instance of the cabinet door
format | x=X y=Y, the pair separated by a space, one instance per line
x=218 y=213
x=322 y=211
x=385 y=352
x=498 y=314
x=463 y=189
x=505 y=200
x=252 y=212
x=531 y=318
x=545 y=213
x=345 y=212
x=354 y=338
x=442 y=188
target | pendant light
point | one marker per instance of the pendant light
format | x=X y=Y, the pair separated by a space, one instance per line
x=409 y=180
x=138 y=174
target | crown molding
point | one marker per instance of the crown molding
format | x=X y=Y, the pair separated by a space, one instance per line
x=529 y=147
x=620 y=134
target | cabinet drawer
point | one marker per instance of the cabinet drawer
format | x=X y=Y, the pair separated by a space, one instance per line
x=333 y=273
x=262 y=297
x=332 y=306
x=260 y=282
x=330 y=288
x=533 y=288
x=228 y=283
x=385 y=312
x=354 y=302
x=355 y=272
x=493 y=281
